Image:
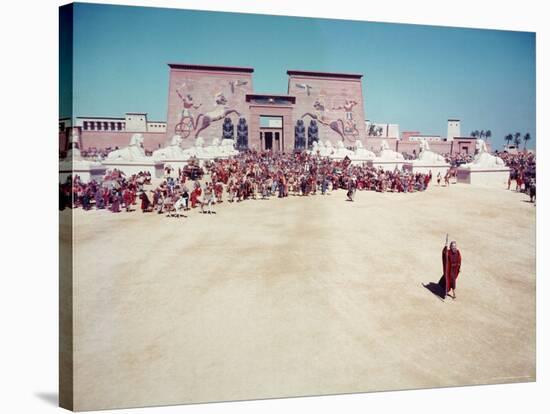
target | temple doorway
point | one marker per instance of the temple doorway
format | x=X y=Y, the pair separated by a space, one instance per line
x=271 y=133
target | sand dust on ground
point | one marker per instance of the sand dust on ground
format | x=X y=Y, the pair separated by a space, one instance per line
x=302 y=296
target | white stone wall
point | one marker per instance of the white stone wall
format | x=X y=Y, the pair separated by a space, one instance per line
x=136 y=122
x=153 y=126
x=121 y=124
x=393 y=130
x=429 y=138
x=453 y=129
x=100 y=124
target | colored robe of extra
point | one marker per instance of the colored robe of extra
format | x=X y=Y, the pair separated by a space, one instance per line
x=144 y=202
x=451 y=267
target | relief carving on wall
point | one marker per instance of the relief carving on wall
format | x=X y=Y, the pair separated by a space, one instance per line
x=350 y=125
x=190 y=124
x=321 y=115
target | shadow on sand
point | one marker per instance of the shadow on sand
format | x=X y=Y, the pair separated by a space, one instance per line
x=438 y=289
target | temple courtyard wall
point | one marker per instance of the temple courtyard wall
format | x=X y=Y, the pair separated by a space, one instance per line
x=105 y=139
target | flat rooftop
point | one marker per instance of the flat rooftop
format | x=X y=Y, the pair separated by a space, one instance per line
x=188 y=66
x=324 y=74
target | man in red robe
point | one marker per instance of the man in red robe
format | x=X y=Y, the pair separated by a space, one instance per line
x=127 y=198
x=451 y=268
x=195 y=195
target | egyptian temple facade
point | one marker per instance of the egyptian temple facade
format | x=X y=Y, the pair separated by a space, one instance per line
x=206 y=100
x=203 y=96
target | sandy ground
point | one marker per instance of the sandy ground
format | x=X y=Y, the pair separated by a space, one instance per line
x=302 y=296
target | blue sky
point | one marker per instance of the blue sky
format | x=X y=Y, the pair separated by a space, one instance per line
x=416 y=76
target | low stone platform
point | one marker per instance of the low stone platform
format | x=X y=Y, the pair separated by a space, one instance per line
x=85 y=171
x=491 y=177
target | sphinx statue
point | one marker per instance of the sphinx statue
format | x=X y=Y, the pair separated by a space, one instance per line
x=73 y=153
x=227 y=129
x=172 y=152
x=427 y=156
x=214 y=148
x=314 y=148
x=217 y=149
x=386 y=154
x=133 y=152
x=318 y=149
x=485 y=169
x=300 y=135
x=223 y=149
x=242 y=134
x=361 y=153
x=227 y=148
x=312 y=133
x=325 y=150
x=132 y=159
x=429 y=161
x=484 y=160
x=197 y=150
x=74 y=163
x=341 y=151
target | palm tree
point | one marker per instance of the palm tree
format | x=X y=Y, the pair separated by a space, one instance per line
x=475 y=133
x=517 y=139
x=526 y=138
x=481 y=134
x=508 y=138
x=488 y=134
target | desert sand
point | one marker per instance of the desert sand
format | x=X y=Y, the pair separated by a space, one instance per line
x=302 y=296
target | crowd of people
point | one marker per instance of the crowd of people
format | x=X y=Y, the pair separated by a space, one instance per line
x=115 y=192
x=249 y=175
x=523 y=172
x=262 y=174
x=457 y=159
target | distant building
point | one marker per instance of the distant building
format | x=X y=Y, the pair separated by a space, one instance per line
x=132 y=122
x=422 y=137
x=382 y=130
x=453 y=129
x=465 y=145
x=406 y=134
